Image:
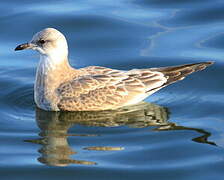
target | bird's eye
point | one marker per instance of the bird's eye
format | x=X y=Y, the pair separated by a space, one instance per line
x=41 y=41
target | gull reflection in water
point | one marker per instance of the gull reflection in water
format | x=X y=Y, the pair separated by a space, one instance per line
x=55 y=150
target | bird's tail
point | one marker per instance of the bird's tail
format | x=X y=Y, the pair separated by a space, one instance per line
x=176 y=73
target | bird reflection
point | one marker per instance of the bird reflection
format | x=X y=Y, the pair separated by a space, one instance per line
x=55 y=150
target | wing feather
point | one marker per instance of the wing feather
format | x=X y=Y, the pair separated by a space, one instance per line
x=107 y=89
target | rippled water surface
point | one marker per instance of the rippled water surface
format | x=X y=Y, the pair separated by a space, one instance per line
x=177 y=134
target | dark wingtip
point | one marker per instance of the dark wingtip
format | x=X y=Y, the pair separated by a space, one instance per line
x=210 y=62
x=207 y=63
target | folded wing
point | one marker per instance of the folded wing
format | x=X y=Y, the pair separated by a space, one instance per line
x=104 y=88
x=108 y=90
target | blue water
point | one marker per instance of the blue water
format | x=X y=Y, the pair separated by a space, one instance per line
x=178 y=136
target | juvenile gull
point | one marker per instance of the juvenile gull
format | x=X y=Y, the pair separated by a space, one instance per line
x=60 y=87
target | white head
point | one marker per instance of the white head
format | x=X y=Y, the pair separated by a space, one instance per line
x=50 y=43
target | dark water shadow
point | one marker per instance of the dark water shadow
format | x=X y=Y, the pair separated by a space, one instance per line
x=56 y=151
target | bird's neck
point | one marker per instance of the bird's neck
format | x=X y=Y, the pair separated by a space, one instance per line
x=53 y=68
x=49 y=75
x=53 y=61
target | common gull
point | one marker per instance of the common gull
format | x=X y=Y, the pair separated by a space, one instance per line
x=60 y=87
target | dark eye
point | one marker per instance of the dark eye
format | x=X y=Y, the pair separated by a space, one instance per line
x=41 y=41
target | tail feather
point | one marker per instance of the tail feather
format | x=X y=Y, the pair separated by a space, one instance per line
x=176 y=73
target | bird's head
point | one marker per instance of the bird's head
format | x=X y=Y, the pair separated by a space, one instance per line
x=48 y=42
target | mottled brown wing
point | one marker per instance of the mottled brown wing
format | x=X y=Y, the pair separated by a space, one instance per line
x=91 y=92
x=98 y=70
x=105 y=88
x=110 y=91
x=150 y=79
